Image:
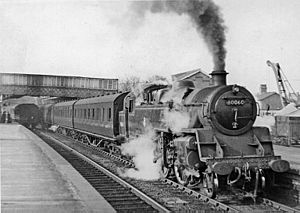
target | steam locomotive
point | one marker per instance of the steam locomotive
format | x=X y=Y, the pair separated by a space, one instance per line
x=27 y=115
x=218 y=147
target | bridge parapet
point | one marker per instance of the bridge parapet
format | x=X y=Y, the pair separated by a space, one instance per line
x=13 y=85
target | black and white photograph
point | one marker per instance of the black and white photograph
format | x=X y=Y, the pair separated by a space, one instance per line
x=149 y=106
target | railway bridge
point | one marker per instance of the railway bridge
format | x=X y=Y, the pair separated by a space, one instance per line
x=14 y=85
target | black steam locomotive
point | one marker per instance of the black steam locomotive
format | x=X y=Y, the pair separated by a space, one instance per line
x=218 y=147
x=27 y=115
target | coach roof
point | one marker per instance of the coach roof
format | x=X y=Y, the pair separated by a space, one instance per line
x=67 y=103
x=101 y=99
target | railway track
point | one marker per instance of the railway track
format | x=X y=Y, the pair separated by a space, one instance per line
x=264 y=205
x=167 y=195
x=122 y=196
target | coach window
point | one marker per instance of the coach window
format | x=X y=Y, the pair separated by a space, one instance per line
x=97 y=114
x=89 y=114
x=84 y=113
x=93 y=114
x=103 y=113
x=109 y=114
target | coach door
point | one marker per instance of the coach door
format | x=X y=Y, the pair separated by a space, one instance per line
x=128 y=111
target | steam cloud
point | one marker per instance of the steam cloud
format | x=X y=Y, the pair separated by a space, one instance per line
x=204 y=14
x=176 y=120
x=142 y=150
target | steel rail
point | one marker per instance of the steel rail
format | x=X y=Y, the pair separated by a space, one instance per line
x=213 y=202
x=140 y=194
x=279 y=206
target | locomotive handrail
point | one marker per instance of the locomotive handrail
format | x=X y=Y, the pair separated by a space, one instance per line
x=258 y=109
x=196 y=104
x=205 y=115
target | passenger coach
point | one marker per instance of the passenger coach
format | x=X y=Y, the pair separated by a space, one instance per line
x=99 y=115
x=94 y=120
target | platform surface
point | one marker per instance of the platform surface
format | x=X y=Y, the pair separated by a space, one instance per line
x=34 y=178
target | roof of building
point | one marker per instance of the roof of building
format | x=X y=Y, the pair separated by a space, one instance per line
x=288 y=109
x=294 y=114
x=265 y=95
x=185 y=75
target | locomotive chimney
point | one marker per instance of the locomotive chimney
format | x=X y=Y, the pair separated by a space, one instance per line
x=219 y=77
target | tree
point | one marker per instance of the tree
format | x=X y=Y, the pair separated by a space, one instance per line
x=129 y=84
x=158 y=79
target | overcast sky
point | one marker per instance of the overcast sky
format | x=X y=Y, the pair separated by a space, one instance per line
x=103 y=39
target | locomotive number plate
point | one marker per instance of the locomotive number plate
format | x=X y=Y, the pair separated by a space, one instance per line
x=235 y=101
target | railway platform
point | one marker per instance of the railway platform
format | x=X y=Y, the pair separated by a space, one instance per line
x=34 y=178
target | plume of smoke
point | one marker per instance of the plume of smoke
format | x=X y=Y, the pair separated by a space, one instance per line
x=204 y=14
x=142 y=150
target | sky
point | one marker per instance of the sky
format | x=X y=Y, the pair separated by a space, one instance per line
x=104 y=39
